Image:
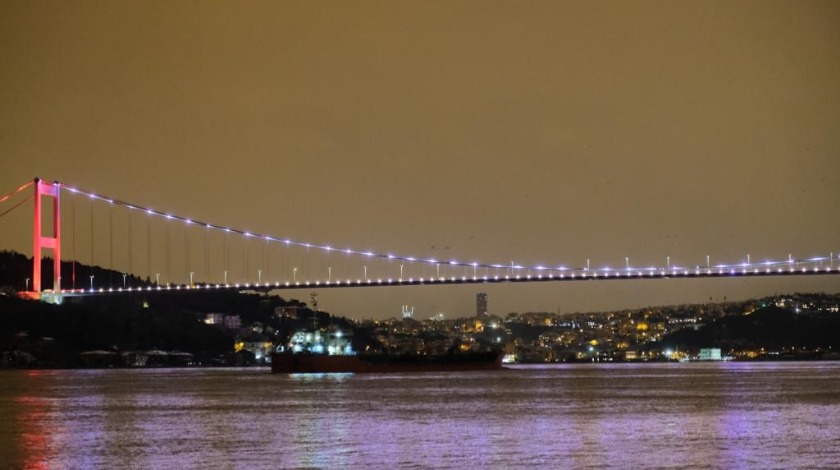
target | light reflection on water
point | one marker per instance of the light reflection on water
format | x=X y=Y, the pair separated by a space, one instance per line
x=714 y=415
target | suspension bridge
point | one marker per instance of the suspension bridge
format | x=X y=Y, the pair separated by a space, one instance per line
x=177 y=253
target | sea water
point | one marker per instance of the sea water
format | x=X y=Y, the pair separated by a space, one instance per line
x=697 y=415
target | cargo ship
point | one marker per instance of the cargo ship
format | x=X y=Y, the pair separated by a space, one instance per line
x=314 y=352
x=291 y=363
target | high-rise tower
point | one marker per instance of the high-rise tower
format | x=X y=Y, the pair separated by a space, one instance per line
x=481 y=306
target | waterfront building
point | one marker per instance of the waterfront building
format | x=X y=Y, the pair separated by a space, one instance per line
x=710 y=354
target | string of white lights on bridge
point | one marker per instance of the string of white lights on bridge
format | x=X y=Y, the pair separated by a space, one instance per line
x=592 y=275
x=371 y=254
x=516 y=272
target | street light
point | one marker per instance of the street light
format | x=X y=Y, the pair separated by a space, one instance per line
x=294 y=274
x=27 y=284
x=157 y=279
x=191 y=278
x=225 y=276
x=91 y=282
x=124 y=276
x=259 y=276
x=329 y=274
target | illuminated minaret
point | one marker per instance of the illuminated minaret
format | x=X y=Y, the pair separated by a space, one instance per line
x=407 y=311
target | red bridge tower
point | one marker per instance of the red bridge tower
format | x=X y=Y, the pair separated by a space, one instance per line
x=40 y=241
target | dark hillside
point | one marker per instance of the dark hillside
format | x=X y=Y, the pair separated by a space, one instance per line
x=771 y=328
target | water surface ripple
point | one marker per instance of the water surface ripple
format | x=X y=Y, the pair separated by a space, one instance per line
x=700 y=415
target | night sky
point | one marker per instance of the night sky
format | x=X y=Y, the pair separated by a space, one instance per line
x=534 y=132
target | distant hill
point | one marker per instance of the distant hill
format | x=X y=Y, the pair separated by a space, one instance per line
x=150 y=320
x=56 y=334
x=15 y=268
x=770 y=327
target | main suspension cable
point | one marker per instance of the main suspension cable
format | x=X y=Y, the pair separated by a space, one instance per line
x=19 y=189
x=17 y=205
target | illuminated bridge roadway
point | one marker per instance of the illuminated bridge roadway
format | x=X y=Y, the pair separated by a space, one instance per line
x=186 y=255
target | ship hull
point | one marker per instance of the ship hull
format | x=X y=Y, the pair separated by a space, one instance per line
x=282 y=363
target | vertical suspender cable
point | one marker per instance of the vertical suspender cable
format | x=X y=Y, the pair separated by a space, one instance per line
x=187 y=251
x=206 y=256
x=110 y=244
x=73 y=241
x=130 y=272
x=149 y=247
x=284 y=263
x=167 y=270
x=92 y=258
x=247 y=266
